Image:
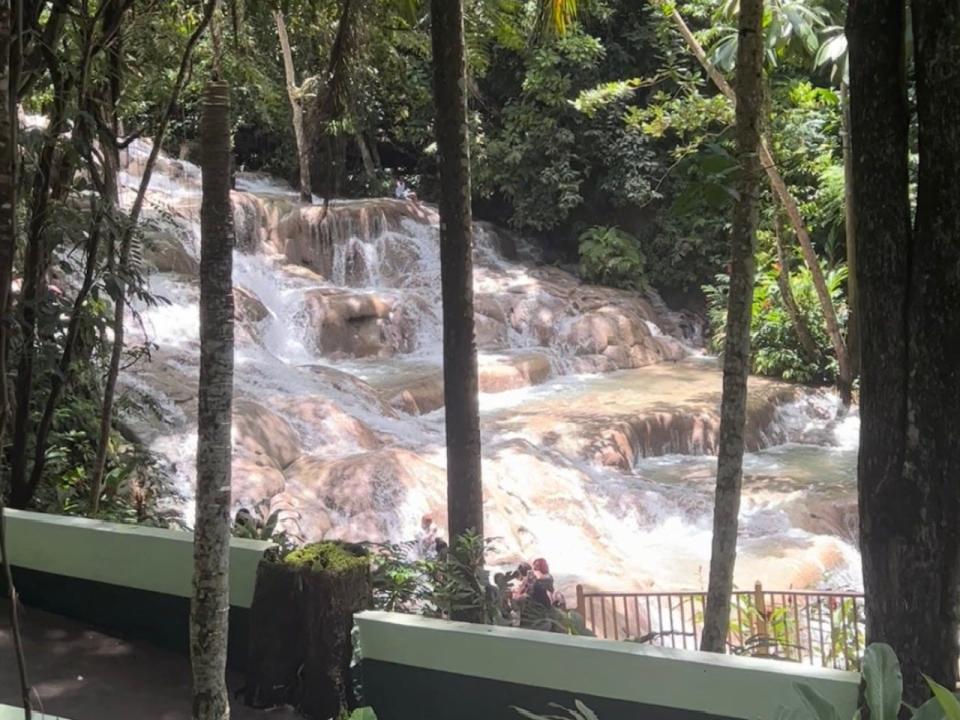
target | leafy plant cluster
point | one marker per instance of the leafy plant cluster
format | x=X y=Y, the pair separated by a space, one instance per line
x=456 y=580
x=610 y=256
x=777 y=350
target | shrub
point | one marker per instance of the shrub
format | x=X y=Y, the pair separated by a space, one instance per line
x=610 y=256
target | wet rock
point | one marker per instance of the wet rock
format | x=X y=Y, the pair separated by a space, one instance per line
x=164 y=249
x=376 y=495
x=333 y=429
x=261 y=433
x=252 y=222
x=423 y=393
x=358 y=324
x=247 y=307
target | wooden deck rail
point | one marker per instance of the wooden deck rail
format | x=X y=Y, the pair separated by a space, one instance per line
x=817 y=627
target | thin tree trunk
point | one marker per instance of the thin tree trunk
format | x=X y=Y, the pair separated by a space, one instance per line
x=789 y=203
x=909 y=297
x=800 y=327
x=32 y=294
x=8 y=246
x=850 y=228
x=8 y=198
x=211 y=599
x=60 y=377
x=464 y=481
x=736 y=352
x=296 y=105
x=369 y=169
x=126 y=243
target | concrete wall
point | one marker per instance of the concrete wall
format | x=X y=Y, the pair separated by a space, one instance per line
x=11 y=713
x=415 y=667
x=128 y=579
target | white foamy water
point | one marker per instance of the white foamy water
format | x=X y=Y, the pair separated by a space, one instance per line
x=336 y=446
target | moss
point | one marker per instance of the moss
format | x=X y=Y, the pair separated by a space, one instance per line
x=326 y=556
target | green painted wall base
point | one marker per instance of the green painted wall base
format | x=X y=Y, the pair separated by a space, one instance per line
x=12 y=713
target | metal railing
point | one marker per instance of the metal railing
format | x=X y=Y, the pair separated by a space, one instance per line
x=814 y=627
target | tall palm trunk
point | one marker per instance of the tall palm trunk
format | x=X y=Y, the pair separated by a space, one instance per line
x=736 y=351
x=211 y=601
x=464 y=482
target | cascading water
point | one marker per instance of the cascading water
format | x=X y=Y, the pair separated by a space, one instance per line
x=596 y=419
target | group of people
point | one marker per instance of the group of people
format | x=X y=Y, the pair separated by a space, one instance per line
x=532 y=583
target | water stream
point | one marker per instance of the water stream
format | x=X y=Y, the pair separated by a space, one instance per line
x=598 y=413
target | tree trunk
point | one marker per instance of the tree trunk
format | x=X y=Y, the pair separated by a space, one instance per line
x=789 y=203
x=126 y=244
x=909 y=297
x=736 y=352
x=211 y=592
x=8 y=246
x=32 y=296
x=8 y=199
x=850 y=230
x=297 y=106
x=464 y=481
x=932 y=461
x=369 y=168
x=300 y=624
x=799 y=322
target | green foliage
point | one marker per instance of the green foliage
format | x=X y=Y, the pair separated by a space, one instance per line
x=263 y=524
x=609 y=256
x=329 y=557
x=457 y=580
x=364 y=713
x=777 y=351
x=882 y=694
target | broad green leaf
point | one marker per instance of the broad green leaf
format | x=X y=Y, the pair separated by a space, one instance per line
x=884 y=682
x=364 y=713
x=816 y=703
x=946 y=699
x=930 y=710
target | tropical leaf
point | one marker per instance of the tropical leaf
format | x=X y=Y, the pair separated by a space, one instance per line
x=947 y=700
x=818 y=705
x=884 y=682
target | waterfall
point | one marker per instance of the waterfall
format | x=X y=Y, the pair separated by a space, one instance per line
x=597 y=413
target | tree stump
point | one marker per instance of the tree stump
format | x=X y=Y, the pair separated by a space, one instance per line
x=300 y=628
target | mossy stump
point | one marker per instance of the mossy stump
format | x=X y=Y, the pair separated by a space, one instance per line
x=300 y=627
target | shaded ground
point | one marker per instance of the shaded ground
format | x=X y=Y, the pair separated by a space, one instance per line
x=82 y=674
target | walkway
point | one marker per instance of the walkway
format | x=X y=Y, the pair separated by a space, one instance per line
x=82 y=674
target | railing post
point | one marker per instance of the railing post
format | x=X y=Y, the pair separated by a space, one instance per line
x=761 y=608
x=581 y=603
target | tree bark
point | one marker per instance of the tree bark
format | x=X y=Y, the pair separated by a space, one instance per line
x=369 y=168
x=126 y=243
x=789 y=203
x=8 y=245
x=736 y=352
x=211 y=598
x=800 y=327
x=8 y=198
x=464 y=480
x=909 y=299
x=294 y=93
